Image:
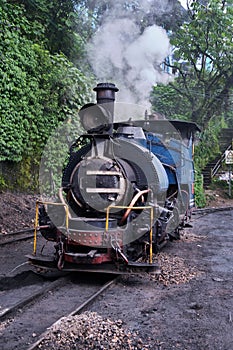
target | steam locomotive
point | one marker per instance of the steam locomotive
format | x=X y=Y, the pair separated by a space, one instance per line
x=127 y=188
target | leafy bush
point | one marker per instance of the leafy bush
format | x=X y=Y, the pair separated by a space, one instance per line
x=200 y=199
x=38 y=90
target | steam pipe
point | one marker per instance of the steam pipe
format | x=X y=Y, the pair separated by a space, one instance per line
x=134 y=200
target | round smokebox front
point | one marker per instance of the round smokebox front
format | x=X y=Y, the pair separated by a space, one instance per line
x=98 y=183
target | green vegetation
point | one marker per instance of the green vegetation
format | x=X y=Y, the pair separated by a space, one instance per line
x=204 y=54
x=38 y=91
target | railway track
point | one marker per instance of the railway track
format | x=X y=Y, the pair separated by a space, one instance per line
x=75 y=312
x=29 y=310
x=20 y=290
x=17 y=236
x=198 y=213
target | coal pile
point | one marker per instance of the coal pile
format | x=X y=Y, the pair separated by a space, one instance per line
x=90 y=331
x=174 y=269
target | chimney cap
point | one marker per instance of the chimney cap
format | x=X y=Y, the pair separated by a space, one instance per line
x=106 y=86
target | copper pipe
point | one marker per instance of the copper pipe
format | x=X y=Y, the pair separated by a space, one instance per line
x=134 y=200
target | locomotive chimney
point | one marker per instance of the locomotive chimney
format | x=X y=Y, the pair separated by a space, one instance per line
x=105 y=95
x=105 y=92
x=98 y=117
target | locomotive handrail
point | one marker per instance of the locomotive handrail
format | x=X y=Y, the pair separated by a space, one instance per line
x=37 y=227
x=139 y=208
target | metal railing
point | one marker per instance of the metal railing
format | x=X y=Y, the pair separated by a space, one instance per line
x=36 y=225
x=135 y=208
x=215 y=169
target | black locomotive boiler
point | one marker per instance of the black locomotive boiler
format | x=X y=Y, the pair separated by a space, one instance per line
x=127 y=188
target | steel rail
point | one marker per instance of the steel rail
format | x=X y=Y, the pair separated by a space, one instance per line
x=4 y=237
x=13 y=237
x=37 y=294
x=211 y=210
x=20 y=231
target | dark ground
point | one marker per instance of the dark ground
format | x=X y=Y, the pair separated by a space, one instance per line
x=17 y=211
x=191 y=307
x=196 y=314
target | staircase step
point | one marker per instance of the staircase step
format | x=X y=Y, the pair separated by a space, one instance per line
x=225 y=141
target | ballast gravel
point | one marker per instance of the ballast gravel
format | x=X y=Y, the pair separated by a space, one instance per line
x=90 y=331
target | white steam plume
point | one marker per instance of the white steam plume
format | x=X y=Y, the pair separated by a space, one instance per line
x=121 y=54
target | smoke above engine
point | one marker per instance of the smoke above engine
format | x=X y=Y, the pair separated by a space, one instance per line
x=122 y=52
